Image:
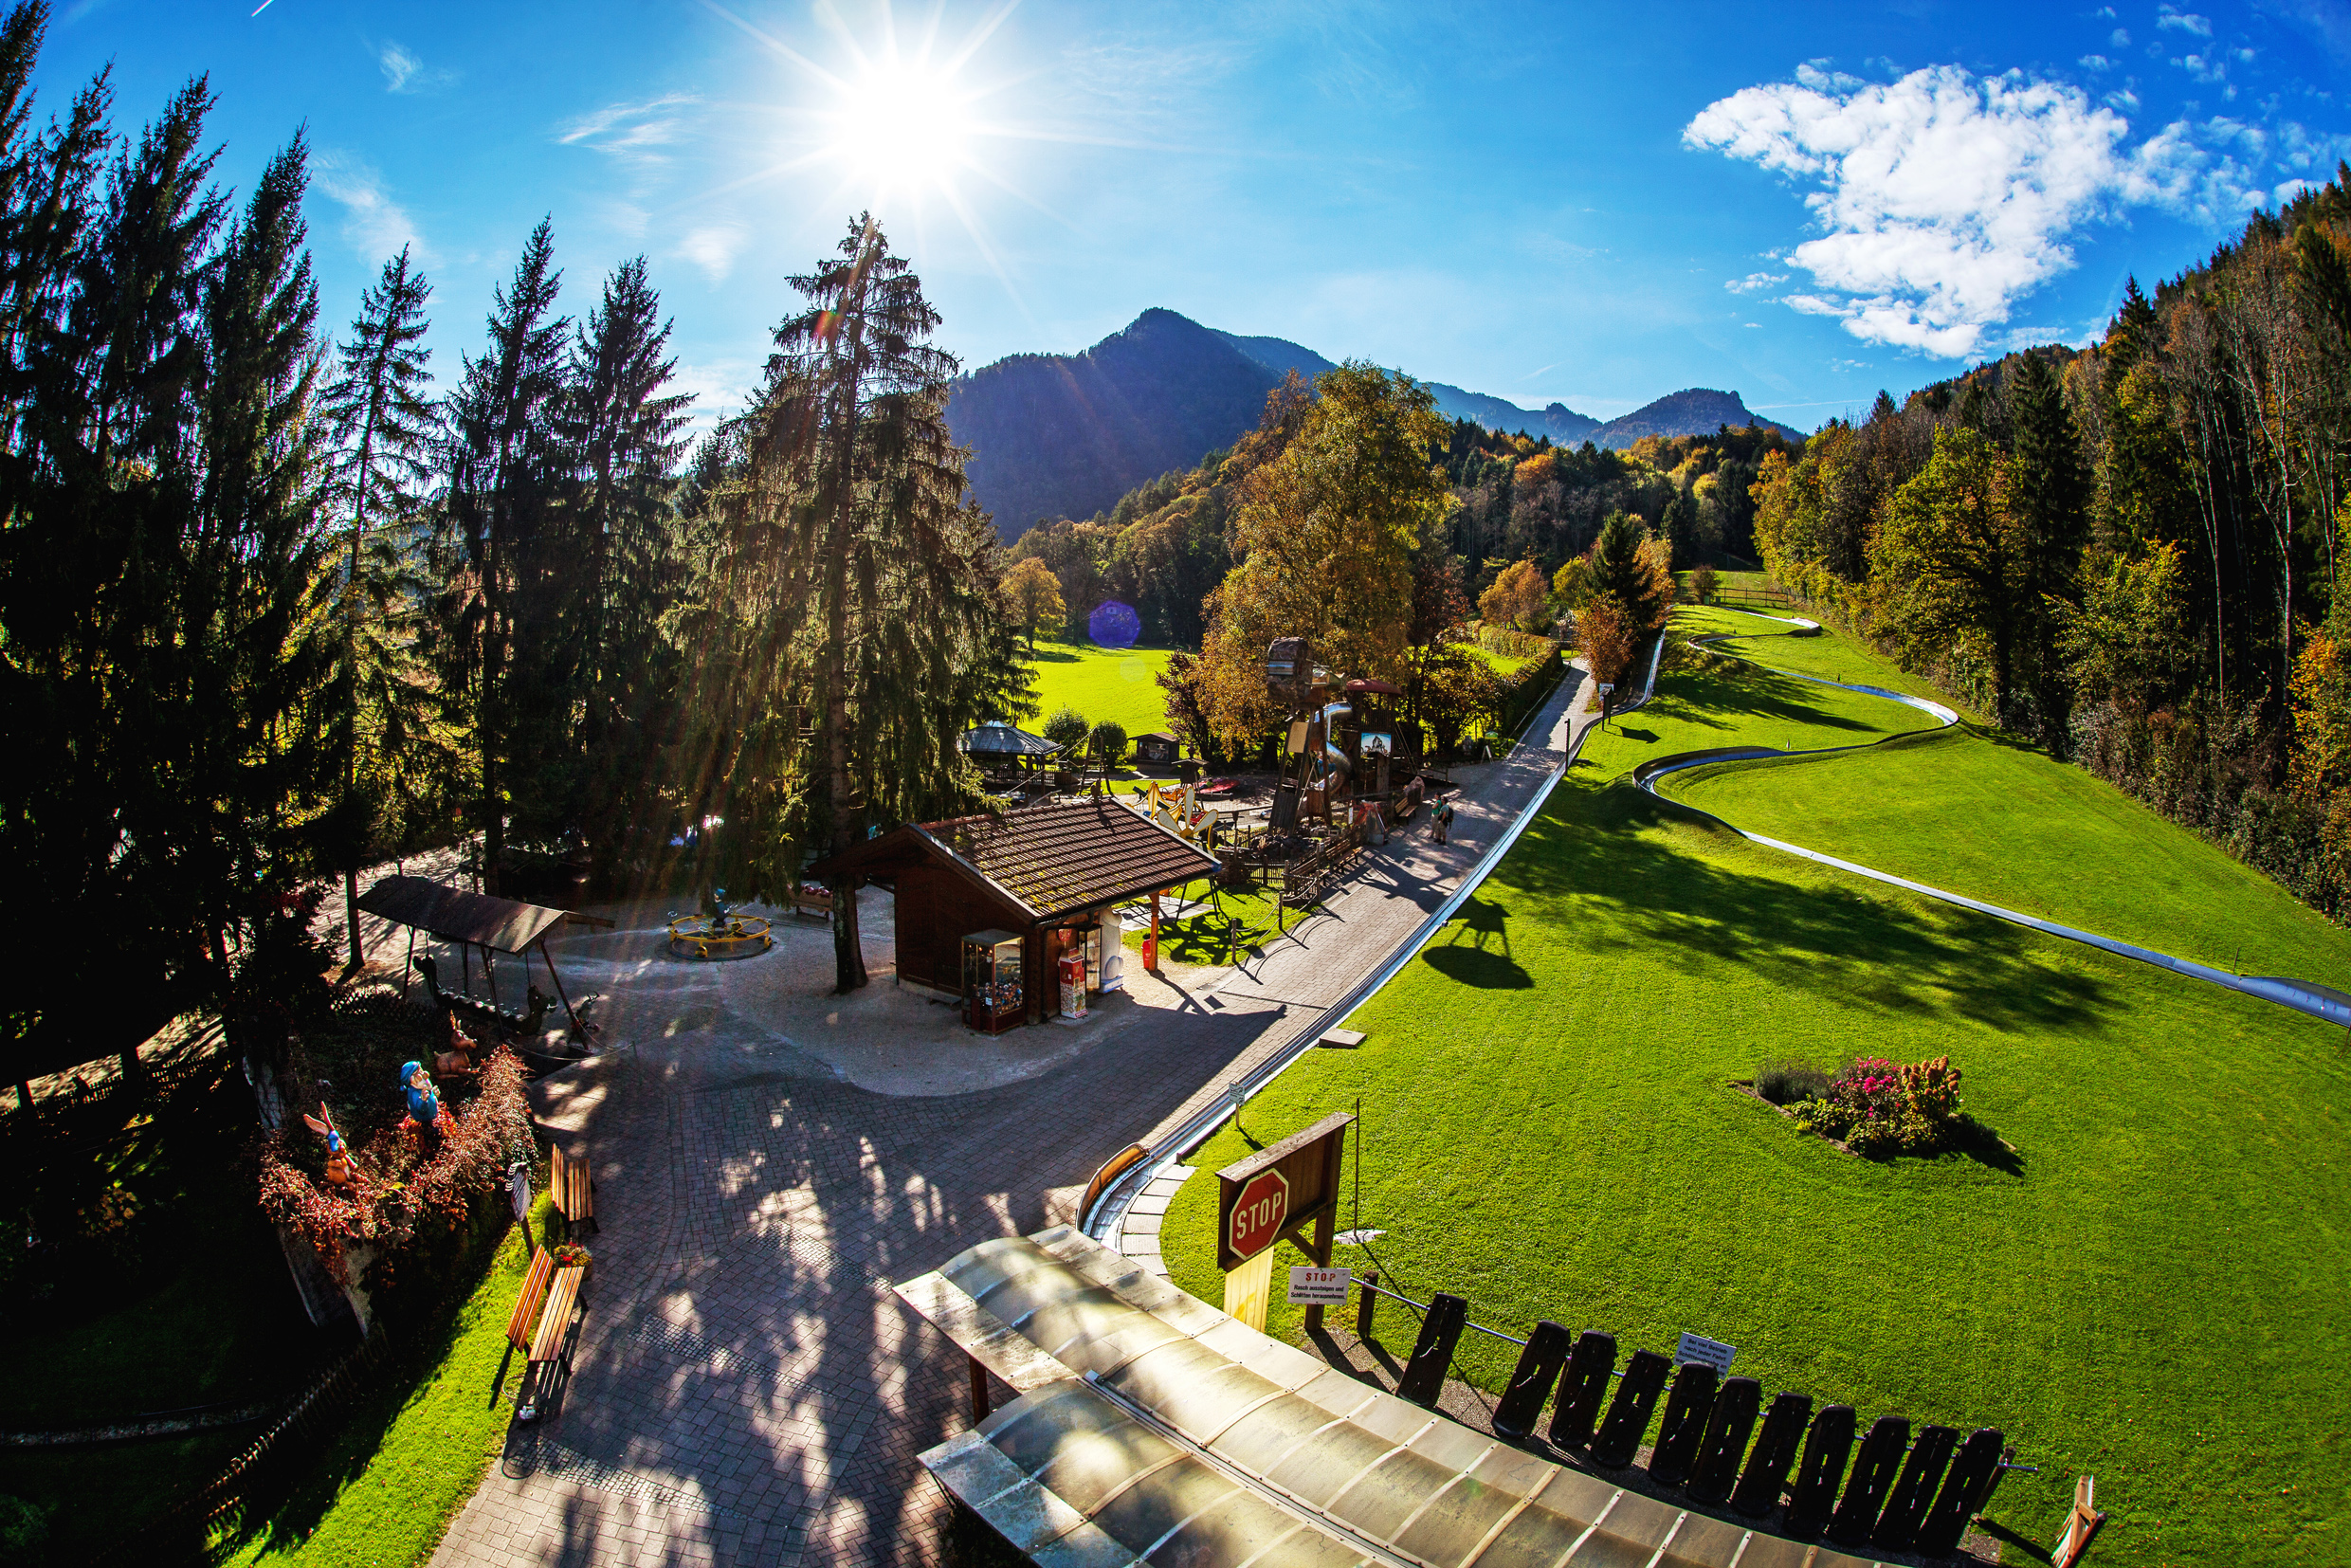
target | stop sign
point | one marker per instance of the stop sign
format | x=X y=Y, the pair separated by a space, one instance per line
x=1258 y=1213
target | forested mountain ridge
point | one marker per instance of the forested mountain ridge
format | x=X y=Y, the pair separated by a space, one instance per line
x=1057 y=436
x=1054 y=435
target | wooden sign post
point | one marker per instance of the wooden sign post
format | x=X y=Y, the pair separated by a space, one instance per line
x=1275 y=1194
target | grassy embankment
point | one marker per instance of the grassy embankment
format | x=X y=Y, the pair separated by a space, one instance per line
x=385 y=1488
x=2143 y=1290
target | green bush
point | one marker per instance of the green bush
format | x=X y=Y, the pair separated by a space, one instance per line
x=1109 y=740
x=1067 y=727
x=1785 y=1083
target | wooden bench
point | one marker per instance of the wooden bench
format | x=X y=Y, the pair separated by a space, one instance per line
x=575 y=1191
x=548 y=1345
x=525 y=1314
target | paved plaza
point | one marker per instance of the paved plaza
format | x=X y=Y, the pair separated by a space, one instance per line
x=747 y=1389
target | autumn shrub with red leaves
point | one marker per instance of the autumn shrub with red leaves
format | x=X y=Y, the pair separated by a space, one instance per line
x=403 y=1188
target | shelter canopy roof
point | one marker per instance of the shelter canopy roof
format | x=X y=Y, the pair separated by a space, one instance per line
x=504 y=925
x=1158 y=1429
x=1003 y=740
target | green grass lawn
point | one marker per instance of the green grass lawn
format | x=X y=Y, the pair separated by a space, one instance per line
x=1827 y=655
x=1222 y=926
x=2150 y=1288
x=1996 y=818
x=387 y=1486
x=1117 y=685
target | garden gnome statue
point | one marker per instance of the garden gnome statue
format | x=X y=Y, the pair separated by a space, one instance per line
x=424 y=1100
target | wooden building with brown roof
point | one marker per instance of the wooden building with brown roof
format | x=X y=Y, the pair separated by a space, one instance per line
x=1047 y=873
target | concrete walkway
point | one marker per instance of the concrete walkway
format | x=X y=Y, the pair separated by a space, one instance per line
x=747 y=1388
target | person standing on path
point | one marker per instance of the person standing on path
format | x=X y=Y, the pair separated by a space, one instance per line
x=1440 y=819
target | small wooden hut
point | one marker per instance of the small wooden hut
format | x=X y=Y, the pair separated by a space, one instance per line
x=1051 y=874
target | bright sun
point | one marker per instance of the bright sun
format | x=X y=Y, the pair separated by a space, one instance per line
x=902 y=125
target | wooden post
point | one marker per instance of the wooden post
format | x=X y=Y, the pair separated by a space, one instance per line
x=577 y=1033
x=1334 y=1162
x=1151 y=944
x=1363 y=1304
x=979 y=1389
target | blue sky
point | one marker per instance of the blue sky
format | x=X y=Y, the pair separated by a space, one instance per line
x=1596 y=204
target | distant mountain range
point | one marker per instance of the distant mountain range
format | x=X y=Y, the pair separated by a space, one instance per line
x=1065 y=435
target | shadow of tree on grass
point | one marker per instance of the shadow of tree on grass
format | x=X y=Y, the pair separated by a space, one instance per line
x=1634 y=855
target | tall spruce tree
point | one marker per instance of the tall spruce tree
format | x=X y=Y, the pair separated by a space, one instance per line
x=491 y=631
x=2048 y=494
x=621 y=429
x=383 y=425
x=849 y=625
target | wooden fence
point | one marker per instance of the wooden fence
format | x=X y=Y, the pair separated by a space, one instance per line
x=260 y=1475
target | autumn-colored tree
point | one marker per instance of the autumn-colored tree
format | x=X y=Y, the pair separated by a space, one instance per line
x=1035 y=595
x=1326 y=533
x=1516 y=600
x=2321 y=692
x=1949 y=562
x=1608 y=637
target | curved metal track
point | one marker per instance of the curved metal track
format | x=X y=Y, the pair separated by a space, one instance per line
x=2302 y=996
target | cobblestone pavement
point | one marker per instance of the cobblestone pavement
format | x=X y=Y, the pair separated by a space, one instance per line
x=746 y=1387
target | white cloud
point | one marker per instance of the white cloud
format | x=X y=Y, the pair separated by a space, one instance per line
x=2207 y=68
x=640 y=134
x=713 y=247
x=375 y=225
x=2182 y=20
x=2120 y=39
x=2125 y=99
x=1945 y=199
x=1755 y=281
x=2095 y=62
x=405 y=73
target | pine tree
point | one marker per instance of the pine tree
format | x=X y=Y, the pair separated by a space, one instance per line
x=491 y=625
x=2049 y=496
x=383 y=427
x=849 y=627
x=1620 y=569
x=620 y=430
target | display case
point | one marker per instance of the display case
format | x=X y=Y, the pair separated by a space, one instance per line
x=993 y=999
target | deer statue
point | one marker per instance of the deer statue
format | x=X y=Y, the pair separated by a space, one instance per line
x=458 y=1059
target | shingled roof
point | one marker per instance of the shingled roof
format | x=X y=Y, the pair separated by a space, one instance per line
x=1049 y=860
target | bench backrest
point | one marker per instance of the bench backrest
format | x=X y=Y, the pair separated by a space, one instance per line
x=571 y=1186
x=534 y=1291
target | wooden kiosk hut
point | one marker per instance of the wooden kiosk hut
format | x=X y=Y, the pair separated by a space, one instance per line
x=1050 y=875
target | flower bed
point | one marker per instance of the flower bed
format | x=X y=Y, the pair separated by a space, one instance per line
x=1877 y=1108
x=405 y=1182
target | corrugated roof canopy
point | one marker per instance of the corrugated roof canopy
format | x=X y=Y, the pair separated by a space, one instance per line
x=505 y=925
x=1153 y=1427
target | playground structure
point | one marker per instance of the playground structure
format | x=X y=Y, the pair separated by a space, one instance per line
x=720 y=934
x=1350 y=770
